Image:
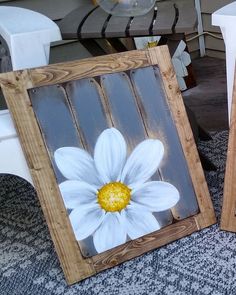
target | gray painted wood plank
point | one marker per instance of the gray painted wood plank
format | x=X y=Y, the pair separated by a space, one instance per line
x=85 y=97
x=117 y=26
x=70 y=23
x=127 y=119
x=54 y=116
x=159 y=123
x=93 y=25
x=187 y=19
x=165 y=18
x=141 y=24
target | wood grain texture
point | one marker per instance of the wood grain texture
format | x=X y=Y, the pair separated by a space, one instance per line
x=16 y=84
x=142 y=245
x=228 y=216
x=161 y=56
x=88 y=68
x=73 y=264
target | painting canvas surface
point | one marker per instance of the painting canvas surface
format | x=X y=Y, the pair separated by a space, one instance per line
x=112 y=156
x=116 y=155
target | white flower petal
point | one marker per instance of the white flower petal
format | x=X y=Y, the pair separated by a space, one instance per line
x=110 y=234
x=156 y=195
x=76 y=192
x=110 y=155
x=139 y=222
x=185 y=58
x=182 y=84
x=85 y=219
x=179 y=67
x=76 y=164
x=143 y=162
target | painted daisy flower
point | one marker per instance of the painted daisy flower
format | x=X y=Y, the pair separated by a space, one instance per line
x=111 y=196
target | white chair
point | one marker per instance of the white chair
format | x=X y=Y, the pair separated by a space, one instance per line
x=28 y=35
x=226 y=19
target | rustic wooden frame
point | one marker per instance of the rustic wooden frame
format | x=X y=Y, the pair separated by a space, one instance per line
x=15 y=85
x=228 y=214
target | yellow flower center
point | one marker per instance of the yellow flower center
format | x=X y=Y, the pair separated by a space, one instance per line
x=114 y=196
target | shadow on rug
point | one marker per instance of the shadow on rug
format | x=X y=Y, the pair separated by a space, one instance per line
x=203 y=263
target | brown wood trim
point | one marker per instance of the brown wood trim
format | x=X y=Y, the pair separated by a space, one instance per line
x=73 y=264
x=142 y=245
x=228 y=216
x=88 y=67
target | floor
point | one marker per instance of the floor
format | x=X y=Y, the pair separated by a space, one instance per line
x=208 y=100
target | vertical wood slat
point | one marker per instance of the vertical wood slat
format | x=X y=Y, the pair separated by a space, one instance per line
x=74 y=265
x=159 y=124
x=86 y=99
x=70 y=24
x=87 y=103
x=127 y=119
x=54 y=116
x=161 y=56
x=117 y=26
x=187 y=18
x=165 y=18
x=140 y=24
x=91 y=30
x=228 y=216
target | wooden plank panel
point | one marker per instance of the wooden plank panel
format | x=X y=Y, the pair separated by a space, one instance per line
x=71 y=22
x=54 y=116
x=117 y=26
x=94 y=23
x=161 y=56
x=159 y=124
x=187 y=17
x=127 y=119
x=140 y=24
x=85 y=97
x=165 y=18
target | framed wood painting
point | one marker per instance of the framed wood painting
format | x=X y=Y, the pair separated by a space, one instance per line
x=112 y=156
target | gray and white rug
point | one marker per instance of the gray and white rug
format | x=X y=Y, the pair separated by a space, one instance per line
x=203 y=263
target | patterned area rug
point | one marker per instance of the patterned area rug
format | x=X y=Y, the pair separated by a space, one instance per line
x=203 y=263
